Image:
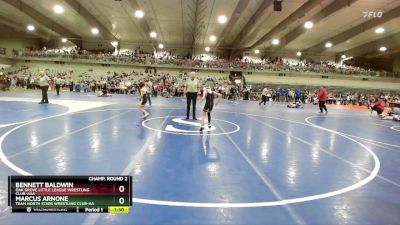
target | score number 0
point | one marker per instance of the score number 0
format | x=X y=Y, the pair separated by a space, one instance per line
x=122 y=199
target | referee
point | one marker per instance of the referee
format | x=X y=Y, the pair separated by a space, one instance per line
x=192 y=85
x=44 y=85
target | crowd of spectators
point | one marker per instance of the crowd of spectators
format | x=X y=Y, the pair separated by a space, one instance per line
x=167 y=85
x=203 y=61
x=341 y=96
x=163 y=83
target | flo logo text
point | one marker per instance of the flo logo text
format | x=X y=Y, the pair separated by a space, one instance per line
x=373 y=14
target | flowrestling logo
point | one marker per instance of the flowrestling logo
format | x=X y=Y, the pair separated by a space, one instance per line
x=181 y=126
x=181 y=121
x=373 y=14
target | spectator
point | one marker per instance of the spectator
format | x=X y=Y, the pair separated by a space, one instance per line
x=57 y=81
x=44 y=85
x=322 y=97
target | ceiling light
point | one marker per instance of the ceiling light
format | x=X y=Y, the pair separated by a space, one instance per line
x=95 y=30
x=63 y=40
x=160 y=46
x=213 y=38
x=222 y=19
x=328 y=44
x=30 y=27
x=153 y=34
x=382 y=49
x=379 y=30
x=298 y=53
x=58 y=9
x=139 y=13
x=256 y=51
x=207 y=49
x=308 y=25
x=275 y=41
x=343 y=56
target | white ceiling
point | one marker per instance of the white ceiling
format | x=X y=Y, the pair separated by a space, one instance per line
x=340 y=21
x=173 y=20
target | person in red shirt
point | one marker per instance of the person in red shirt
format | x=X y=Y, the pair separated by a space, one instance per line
x=322 y=97
x=378 y=106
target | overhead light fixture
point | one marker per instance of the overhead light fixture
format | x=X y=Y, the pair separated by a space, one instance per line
x=153 y=34
x=308 y=25
x=343 y=56
x=275 y=41
x=160 y=46
x=139 y=13
x=213 y=38
x=30 y=27
x=207 y=49
x=298 y=53
x=382 y=49
x=328 y=44
x=95 y=30
x=222 y=19
x=63 y=40
x=379 y=30
x=58 y=9
x=257 y=51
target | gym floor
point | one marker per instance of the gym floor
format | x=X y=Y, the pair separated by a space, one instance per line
x=256 y=165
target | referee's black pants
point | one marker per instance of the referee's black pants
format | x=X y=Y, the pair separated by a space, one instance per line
x=191 y=98
x=44 y=94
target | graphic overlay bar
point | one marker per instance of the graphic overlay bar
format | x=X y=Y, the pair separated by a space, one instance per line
x=72 y=194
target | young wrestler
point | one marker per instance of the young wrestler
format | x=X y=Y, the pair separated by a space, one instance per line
x=143 y=97
x=379 y=107
x=296 y=105
x=209 y=95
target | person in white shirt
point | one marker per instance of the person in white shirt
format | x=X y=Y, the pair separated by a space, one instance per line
x=263 y=96
x=44 y=85
x=57 y=81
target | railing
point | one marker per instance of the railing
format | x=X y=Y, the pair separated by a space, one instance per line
x=197 y=65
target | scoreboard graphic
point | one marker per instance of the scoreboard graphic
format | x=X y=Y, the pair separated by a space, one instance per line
x=74 y=194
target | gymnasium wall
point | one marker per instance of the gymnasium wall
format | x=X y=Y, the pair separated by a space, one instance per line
x=11 y=43
x=396 y=64
x=4 y=66
x=381 y=63
x=97 y=45
x=383 y=84
x=5 y=62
